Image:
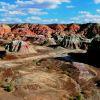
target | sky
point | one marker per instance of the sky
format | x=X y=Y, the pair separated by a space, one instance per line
x=50 y=11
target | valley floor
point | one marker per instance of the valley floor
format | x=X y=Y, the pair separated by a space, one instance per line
x=48 y=74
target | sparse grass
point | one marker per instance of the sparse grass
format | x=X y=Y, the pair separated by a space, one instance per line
x=8 y=87
x=79 y=97
x=45 y=42
x=37 y=62
x=71 y=98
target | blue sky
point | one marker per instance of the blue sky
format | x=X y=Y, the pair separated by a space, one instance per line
x=49 y=11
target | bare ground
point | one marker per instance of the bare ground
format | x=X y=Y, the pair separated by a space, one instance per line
x=40 y=76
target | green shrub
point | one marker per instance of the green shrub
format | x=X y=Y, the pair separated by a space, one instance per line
x=79 y=97
x=8 y=87
x=37 y=62
x=45 y=42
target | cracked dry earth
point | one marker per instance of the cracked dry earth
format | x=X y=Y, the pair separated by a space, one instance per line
x=43 y=77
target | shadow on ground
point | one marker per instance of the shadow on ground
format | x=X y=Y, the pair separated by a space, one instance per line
x=82 y=58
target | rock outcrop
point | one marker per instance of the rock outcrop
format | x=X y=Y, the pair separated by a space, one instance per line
x=31 y=29
x=4 y=29
x=58 y=27
x=74 y=28
x=22 y=29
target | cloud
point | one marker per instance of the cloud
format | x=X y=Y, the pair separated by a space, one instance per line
x=22 y=2
x=2 y=10
x=16 y=9
x=7 y=6
x=86 y=17
x=33 y=18
x=98 y=10
x=97 y=1
x=11 y=20
x=50 y=4
x=46 y=21
x=70 y=7
x=84 y=12
x=36 y=19
x=29 y=10
x=16 y=13
x=36 y=11
x=57 y=1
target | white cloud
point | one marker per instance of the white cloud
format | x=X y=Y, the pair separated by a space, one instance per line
x=98 y=10
x=97 y=1
x=51 y=4
x=11 y=20
x=2 y=10
x=52 y=1
x=70 y=7
x=36 y=19
x=33 y=18
x=24 y=2
x=85 y=17
x=33 y=8
x=36 y=11
x=7 y=6
x=50 y=20
x=17 y=9
x=16 y=13
x=84 y=12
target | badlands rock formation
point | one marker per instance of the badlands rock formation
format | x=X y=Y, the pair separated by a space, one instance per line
x=45 y=73
x=89 y=30
x=4 y=29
